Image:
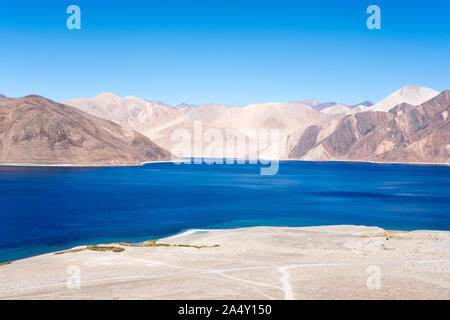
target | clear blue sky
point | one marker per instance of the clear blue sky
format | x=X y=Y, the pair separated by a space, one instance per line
x=224 y=51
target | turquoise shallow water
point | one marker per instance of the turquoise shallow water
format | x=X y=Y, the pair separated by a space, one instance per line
x=47 y=209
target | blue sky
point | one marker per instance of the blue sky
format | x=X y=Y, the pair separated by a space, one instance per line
x=231 y=52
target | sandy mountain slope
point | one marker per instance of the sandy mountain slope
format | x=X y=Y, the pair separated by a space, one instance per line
x=159 y=122
x=338 y=109
x=138 y=114
x=413 y=95
x=360 y=108
x=35 y=130
x=285 y=118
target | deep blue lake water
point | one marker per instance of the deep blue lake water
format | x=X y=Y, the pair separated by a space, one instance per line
x=49 y=209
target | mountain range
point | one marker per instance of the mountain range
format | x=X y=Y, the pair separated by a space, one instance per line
x=410 y=125
x=309 y=130
x=407 y=133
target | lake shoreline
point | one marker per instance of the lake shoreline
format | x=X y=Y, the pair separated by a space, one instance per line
x=171 y=161
x=326 y=262
x=189 y=232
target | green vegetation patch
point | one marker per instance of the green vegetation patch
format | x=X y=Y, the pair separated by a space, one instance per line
x=154 y=243
x=386 y=234
x=93 y=248
x=148 y=243
x=105 y=248
x=71 y=250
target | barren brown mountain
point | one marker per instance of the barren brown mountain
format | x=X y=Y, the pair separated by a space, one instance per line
x=35 y=130
x=419 y=134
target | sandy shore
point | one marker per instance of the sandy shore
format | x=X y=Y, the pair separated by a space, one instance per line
x=170 y=161
x=373 y=162
x=64 y=165
x=329 y=262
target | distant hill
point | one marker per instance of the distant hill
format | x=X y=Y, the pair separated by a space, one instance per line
x=324 y=105
x=337 y=109
x=35 y=130
x=2 y=96
x=364 y=104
